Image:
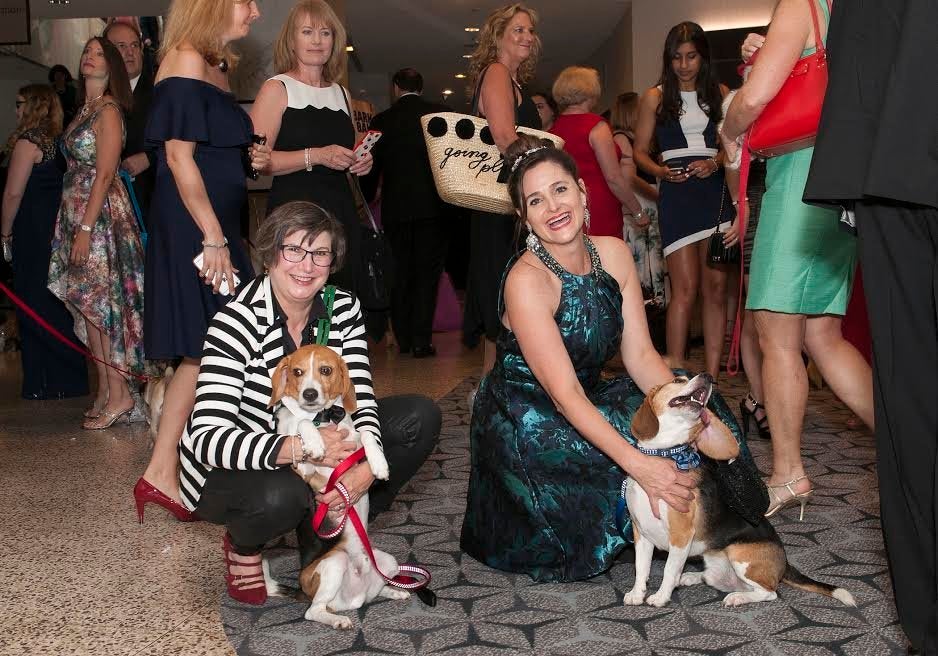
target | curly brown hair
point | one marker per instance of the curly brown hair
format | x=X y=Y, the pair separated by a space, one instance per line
x=42 y=110
x=486 y=51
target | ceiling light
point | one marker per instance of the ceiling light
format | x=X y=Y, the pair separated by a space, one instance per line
x=467 y=56
x=460 y=76
x=472 y=29
x=349 y=48
x=447 y=92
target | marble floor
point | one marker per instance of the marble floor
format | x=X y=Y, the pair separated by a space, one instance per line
x=82 y=576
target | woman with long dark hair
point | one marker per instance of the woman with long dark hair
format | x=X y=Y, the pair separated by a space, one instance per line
x=97 y=256
x=681 y=113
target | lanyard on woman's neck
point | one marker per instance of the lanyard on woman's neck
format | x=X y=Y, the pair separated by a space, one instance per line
x=324 y=325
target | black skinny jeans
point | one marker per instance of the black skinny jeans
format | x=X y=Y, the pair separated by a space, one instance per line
x=259 y=505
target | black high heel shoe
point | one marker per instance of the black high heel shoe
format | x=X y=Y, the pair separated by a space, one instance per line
x=748 y=415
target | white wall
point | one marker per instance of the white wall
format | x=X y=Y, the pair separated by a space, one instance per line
x=651 y=20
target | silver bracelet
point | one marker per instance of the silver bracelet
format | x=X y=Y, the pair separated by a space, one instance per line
x=716 y=164
x=307 y=159
x=205 y=244
x=292 y=439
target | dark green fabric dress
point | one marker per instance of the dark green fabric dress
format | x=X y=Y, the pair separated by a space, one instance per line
x=542 y=499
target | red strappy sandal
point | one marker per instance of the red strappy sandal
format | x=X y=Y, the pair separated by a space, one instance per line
x=248 y=589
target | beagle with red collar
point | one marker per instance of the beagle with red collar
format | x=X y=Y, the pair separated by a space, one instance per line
x=314 y=388
x=744 y=560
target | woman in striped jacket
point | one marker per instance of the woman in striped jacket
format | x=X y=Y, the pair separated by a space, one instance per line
x=234 y=466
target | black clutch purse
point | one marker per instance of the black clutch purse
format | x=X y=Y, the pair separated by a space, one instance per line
x=717 y=251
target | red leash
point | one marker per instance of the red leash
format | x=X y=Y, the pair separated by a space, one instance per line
x=29 y=312
x=401 y=581
x=732 y=362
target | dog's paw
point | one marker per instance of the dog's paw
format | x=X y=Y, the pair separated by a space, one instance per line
x=634 y=597
x=341 y=622
x=737 y=599
x=394 y=593
x=691 y=578
x=312 y=440
x=659 y=599
x=376 y=460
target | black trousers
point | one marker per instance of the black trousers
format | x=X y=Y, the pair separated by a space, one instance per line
x=899 y=258
x=419 y=249
x=259 y=506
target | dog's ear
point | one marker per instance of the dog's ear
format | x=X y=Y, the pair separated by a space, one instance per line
x=645 y=421
x=349 y=401
x=278 y=382
x=716 y=441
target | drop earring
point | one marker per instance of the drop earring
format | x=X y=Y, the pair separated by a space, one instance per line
x=532 y=242
x=586 y=218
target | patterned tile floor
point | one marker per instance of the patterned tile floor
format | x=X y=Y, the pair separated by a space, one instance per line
x=83 y=577
x=483 y=611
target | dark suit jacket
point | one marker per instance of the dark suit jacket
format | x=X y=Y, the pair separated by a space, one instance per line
x=135 y=143
x=879 y=127
x=407 y=190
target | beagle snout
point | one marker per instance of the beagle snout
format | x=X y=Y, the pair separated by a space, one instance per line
x=310 y=395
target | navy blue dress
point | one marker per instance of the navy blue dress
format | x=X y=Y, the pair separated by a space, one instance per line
x=542 y=499
x=178 y=304
x=51 y=370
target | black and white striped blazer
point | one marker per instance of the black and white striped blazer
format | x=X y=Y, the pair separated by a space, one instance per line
x=231 y=426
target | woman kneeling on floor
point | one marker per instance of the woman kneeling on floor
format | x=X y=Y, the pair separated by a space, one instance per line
x=550 y=438
x=234 y=468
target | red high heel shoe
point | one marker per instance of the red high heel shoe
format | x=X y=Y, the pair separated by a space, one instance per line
x=145 y=493
x=237 y=583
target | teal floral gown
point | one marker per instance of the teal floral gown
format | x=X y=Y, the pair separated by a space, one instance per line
x=108 y=288
x=542 y=500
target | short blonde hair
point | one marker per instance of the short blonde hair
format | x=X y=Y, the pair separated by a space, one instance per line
x=200 y=24
x=319 y=13
x=486 y=51
x=575 y=85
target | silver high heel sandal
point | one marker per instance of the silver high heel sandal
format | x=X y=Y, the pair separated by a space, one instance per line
x=778 y=503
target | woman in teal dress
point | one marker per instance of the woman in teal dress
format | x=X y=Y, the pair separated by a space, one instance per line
x=550 y=438
x=802 y=265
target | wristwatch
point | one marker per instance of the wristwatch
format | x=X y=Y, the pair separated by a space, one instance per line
x=84 y=228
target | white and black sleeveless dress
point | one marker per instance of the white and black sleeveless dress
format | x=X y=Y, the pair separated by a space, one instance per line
x=316 y=117
x=687 y=211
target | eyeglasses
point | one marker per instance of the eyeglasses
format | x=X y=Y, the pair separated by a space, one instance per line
x=295 y=254
x=133 y=45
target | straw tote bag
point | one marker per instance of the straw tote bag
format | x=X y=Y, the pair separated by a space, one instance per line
x=467 y=168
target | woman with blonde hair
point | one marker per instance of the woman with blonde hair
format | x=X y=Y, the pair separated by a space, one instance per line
x=203 y=143
x=503 y=61
x=306 y=114
x=30 y=203
x=588 y=139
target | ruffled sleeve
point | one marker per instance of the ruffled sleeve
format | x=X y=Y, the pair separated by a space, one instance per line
x=192 y=110
x=178 y=111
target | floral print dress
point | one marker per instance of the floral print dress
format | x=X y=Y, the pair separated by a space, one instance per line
x=108 y=289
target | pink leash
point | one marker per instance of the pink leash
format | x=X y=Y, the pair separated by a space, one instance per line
x=28 y=311
x=732 y=362
x=400 y=581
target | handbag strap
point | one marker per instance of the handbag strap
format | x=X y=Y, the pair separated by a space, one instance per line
x=478 y=93
x=819 y=47
x=129 y=184
x=720 y=212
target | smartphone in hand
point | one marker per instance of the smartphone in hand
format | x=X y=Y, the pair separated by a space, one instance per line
x=223 y=288
x=367 y=142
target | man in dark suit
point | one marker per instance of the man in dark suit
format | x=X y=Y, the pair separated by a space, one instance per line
x=411 y=212
x=877 y=153
x=135 y=159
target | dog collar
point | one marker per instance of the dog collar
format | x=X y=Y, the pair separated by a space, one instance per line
x=683 y=455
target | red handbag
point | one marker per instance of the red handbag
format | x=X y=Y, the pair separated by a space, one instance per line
x=789 y=122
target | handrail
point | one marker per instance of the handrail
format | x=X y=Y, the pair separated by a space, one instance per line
x=9 y=52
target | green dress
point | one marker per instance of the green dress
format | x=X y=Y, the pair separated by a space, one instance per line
x=542 y=499
x=802 y=260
